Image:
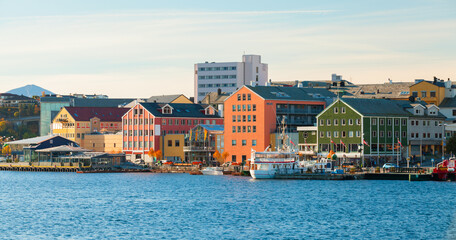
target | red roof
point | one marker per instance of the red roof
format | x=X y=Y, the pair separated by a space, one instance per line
x=105 y=114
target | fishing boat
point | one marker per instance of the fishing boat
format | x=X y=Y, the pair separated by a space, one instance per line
x=445 y=170
x=212 y=171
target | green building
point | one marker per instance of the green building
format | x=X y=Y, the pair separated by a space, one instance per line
x=372 y=131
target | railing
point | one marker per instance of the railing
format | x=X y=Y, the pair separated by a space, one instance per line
x=297 y=111
x=193 y=148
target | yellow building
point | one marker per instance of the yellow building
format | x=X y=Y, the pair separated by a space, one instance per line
x=432 y=92
x=75 y=122
x=103 y=142
x=173 y=147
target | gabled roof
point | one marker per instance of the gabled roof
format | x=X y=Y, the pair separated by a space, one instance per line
x=63 y=148
x=106 y=114
x=108 y=102
x=436 y=83
x=179 y=110
x=291 y=93
x=448 y=103
x=34 y=140
x=376 y=107
x=164 y=98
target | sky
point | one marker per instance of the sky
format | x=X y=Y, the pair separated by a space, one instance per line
x=141 y=48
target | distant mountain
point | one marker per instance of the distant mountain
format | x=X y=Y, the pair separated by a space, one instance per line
x=30 y=91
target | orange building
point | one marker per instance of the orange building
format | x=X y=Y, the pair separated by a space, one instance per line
x=253 y=113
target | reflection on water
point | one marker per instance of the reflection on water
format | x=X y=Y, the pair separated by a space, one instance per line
x=105 y=206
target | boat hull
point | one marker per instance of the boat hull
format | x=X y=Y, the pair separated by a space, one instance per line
x=212 y=172
x=262 y=174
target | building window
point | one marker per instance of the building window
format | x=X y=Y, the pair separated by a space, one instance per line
x=322 y=122
x=239 y=97
x=350 y=121
x=336 y=110
x=177 y=143
x=336 y=134
x=243 y=97
x=389 y=122
x=396 y=122
x=253 y=128
x=249 y=128
x=396 y=134
x=328 y=122
x=382 y=122
x=233 y=142
x=249 y=118
x=243 y=118
x=254 y=118
x=243 y=128
x=336 y=122
x=239 y=118
x=342 y=122
x=423 y=94
x=234 y=129
x=432 y=94
x=404 y=134
x=350 y=134
x=244 y=142
x=254 y=107
x=358 y=122
x=322 y=134
x=404 y=121
x=374 y=134
x=234 y=108
x=233 y=158
x=374 y=121
x=238 y=108
x=357 y=134
x=254 y=143
x=389 y=134
x=234 y=118
x=343 y=134
x=342 y=109
x=248 y=96
x=249 y=107
x=328 y=134
x=239 y=129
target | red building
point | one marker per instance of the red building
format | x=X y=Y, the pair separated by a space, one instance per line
x=146 y=124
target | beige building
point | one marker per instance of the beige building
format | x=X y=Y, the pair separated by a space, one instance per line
x=103 y=142
x=75 y=122
x=173 y=147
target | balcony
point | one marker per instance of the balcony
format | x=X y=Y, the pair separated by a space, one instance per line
x=298 y=111
x=199 y=149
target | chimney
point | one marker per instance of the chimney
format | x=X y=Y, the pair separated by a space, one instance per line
x=219 y=92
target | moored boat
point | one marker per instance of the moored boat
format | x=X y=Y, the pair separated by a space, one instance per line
x=212 y=171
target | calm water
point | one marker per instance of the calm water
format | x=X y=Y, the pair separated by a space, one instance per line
x=35 y=205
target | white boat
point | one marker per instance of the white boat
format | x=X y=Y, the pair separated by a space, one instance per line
x=269 y=164
x=212 y=171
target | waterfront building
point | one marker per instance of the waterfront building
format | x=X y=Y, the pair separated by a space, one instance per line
x=25 y=149
x=356 y=129
x=203 y=141
x=175 y=98
x=228 y=76
x=149 y=126
x=108 y=142
x=75 y=122
x=308 y=146
x=252 y=114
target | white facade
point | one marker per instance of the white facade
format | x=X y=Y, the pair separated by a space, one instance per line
x=228 y=76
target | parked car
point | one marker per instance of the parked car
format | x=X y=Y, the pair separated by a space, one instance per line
x=389 y=165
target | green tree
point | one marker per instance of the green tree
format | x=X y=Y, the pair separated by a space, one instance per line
x=451 y=145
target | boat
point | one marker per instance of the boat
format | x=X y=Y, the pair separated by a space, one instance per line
x=285 y=164
x=212 y=171
x=445 y=170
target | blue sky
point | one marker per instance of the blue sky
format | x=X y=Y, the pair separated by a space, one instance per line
x=143 y=48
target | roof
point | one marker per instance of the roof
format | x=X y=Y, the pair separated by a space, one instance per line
x=179 y=110
x=14 y=97
x=215 y=98
x=385 y=90
x=437 y=83
x=34 y=140
x=63 y=148
x=212 y=128
x=376 y=107
x=55 y=99
x=448 y=103
x=164 y=98
x=291 y=93
x=93 y=102
x=107 y=114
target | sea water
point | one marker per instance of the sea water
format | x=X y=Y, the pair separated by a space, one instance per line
x=42 y=205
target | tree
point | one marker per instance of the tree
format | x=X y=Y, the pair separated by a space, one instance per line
x=451 y=145
x=158 y=154
x=225 y=155
x=218 y=157
x=16 y=114
x=151 y=152
x=6 y=149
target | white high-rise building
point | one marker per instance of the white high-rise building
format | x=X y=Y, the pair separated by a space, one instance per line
x=228 y=76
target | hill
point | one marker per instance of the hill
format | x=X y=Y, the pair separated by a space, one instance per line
x=30 y=90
